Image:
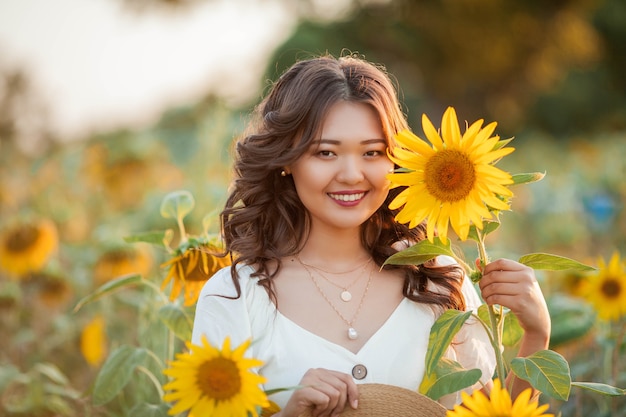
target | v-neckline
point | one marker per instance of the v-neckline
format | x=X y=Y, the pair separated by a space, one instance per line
x=329 y=342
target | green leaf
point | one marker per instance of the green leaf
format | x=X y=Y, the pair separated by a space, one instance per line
x=175 y=318
x=603 y=389
x=551 y=262
x=451 y=377
x=177 y=204
x=528 y=178
x=513 y=332
x=421 y=252
x=547 y=371
x=52 y=372
x=570 y=318
x=116 y=372
x=154 y=238
x=489 y=226
x=108 y=288
x=149 y=410
x=441 y=334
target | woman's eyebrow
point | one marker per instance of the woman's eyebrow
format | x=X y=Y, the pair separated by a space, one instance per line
x=338 y=142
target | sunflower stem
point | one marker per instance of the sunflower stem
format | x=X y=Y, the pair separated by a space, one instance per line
x=181 y=228
x=496 y=322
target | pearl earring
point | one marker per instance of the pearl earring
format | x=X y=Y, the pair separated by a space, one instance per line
x=283 y=173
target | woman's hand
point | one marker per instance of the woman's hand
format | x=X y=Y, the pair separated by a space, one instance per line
x=326 y=392
x=513 y=285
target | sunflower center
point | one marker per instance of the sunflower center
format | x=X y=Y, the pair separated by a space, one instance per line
x=22 y=238
x=611 y=288
x=219 y=378
x=449 y=175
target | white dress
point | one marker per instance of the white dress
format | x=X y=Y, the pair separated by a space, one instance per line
x=394 y=355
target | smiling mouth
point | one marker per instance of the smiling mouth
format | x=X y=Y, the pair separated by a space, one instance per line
x=346 y=197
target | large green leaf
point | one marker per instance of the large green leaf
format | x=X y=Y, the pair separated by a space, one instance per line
x=175 y=318
x=421 y=252
x=547 y=371
x=116 y=372
x=603 y=389
x=108 y=288
x=441 y=334
x=450 y=377
x=553 y=262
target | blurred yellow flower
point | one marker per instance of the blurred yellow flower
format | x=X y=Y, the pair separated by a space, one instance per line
x=499 y=404
x=213 y=382
x=190 y=269
x=52 y=290
x=27 y=248
x=454 y=181
x=606 y=290
x=122 y=261
x=93 y=341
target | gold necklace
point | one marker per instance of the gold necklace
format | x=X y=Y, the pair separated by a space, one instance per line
x=345 y=294
x=367 y=261
x=352 y=333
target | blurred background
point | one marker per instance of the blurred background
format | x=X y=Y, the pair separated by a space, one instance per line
x=108 y=105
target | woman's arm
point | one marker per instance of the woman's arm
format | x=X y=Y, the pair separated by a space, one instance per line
x=513 y=285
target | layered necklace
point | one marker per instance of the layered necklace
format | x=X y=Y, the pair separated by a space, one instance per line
x=352 y=333
x=345 y=293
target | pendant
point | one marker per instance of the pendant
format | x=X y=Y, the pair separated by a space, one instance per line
x=346 y=295
x=352 y=334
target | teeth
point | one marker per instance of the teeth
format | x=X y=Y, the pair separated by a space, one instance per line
x=347 y=197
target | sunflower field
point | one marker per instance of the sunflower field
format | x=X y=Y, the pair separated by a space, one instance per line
x=106 y=241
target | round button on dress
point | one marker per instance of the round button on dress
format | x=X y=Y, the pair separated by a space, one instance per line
x=359 y=371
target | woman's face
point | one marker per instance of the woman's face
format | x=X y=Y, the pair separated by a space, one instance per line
x=342 y=180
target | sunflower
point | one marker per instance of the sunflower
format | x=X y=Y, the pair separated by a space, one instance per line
x=93 y=341
x=454 y=181
x=499 y=404
x=51 y=289
x=606 y=291
x=122 y=261
x=213 y=382
x=191 y=268
x=27 y=248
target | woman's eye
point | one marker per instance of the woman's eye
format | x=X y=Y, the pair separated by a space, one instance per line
x=325 y=154
x=373 y=153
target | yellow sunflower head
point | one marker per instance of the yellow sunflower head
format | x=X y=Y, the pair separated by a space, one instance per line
x=122 y=261
x=53 y=291
x=606 y=290
x=208 y=381
x=454 y=181
x=27 y=248
x=498 y=404
x=93 y=341
x=193 y=265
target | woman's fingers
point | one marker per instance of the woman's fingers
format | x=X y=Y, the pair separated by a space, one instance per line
x=325 y=392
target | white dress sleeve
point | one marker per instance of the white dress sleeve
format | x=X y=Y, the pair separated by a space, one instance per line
x=220 y=313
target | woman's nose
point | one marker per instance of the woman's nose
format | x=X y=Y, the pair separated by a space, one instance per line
x=350 y=171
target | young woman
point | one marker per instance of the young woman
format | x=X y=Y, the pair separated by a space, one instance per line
x=308 y=224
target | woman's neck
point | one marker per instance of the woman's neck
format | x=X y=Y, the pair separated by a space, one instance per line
x=339 y=249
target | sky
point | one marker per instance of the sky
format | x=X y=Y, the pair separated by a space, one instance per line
x=99 y=66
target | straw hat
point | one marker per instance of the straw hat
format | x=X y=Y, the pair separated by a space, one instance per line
x=380 y=400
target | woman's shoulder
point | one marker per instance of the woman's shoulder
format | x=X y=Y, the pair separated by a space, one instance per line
x=222 y=283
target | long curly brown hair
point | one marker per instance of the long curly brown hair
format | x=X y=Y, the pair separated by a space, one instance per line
x=264 y=220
